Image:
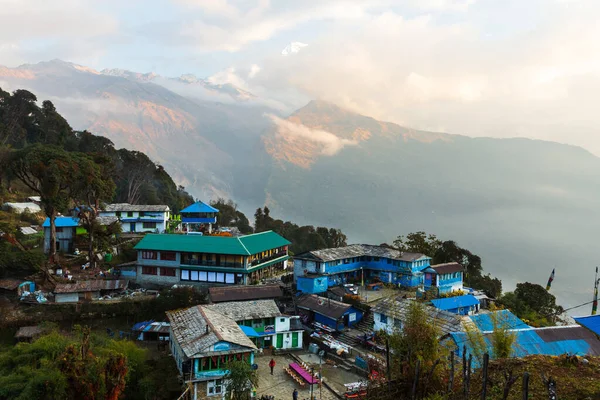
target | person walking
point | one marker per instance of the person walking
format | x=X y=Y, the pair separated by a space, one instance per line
x=295 y=394
x=272 y=365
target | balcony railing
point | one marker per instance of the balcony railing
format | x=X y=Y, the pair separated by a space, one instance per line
x=267 y=259
x=205 y=263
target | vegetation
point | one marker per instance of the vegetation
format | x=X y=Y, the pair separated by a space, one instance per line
x=449 y=251
x=303 y=238
x=241 y=378
x=533 y=304
x=230 y=216
x=138 y=180
x=501 y=338
x=80 y=366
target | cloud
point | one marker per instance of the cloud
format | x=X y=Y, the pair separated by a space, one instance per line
x=330 y=143
x=254 y=69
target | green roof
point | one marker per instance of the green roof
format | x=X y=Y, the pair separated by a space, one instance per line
x=243 y=245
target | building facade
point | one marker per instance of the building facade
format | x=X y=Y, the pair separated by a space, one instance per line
x=66 y=228
x=202 y=342
x=358 y=263
x=327 y=314
x=168 y=259
x=263 y=323
x=461 y=305
x=139 y=218
x=445 y=278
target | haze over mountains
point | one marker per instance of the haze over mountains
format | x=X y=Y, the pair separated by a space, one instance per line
x=525 y=206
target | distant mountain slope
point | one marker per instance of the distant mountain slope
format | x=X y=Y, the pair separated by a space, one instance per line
x=201 y=142
x=525 y=206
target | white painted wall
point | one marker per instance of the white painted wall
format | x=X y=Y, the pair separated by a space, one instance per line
x=388 y=326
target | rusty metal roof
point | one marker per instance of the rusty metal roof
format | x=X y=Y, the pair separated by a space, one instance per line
x=447 y=268
x=91 y=286
x=241 y=293
x=324 y=306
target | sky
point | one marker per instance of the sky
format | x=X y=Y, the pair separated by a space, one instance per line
x=500 y=68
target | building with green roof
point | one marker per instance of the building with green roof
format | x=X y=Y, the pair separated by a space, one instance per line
x=168 y=259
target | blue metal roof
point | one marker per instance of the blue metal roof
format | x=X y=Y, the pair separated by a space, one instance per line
x=504 y=318
x=451 y=303
x=199 y=207
x=62 y=222
x=249 y=331
x=569 y=340
x=592 y=322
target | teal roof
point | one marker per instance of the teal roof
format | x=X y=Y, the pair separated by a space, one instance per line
x=451 y=303
x=243 y=245
x=199 y=207
x=504 y=318
x=62 y=222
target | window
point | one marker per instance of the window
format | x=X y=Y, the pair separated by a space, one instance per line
x=397 y=324
x=118 y=213
x=220 y=277
x=129 y=214
x=214 y=387
x=229 y=278
x=149 y=255
x=202 y=276
x=389 y=261
x=167 y=255
x=375 y=258
x=212 y=277
x=185 y=275
x=149 y=270
x=303 y=263
x=167 y=271
x=383 y=318
x=193 y=275
x=59 y=230
x=149 y=225
x=281 y=319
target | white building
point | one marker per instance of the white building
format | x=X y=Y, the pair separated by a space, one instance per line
x=389 y=315
x=139 y=218
x=263 y=323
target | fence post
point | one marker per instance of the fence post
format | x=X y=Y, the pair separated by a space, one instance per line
x=468 y=381
x=451 y=380
x=416 y=381
x=464 y=364
x=486 y=361
x=525 y=385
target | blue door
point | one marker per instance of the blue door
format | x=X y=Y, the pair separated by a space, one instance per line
x=132 y=227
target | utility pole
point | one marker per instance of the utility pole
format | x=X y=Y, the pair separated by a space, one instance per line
x=595 y=303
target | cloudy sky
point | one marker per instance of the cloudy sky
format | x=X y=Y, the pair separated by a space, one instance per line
x=500 y=68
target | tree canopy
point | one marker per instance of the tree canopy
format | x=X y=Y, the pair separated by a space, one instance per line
x=533 y=303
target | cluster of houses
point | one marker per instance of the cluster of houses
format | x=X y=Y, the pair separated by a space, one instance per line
x=244 y=317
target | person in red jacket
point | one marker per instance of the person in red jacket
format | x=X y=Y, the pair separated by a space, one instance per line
x=272 y=365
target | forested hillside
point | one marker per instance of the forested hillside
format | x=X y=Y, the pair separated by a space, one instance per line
x=137 y=178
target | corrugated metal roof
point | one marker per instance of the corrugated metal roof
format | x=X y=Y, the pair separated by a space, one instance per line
x=243 y=310
x=552 y=341
x=28 y=332
x=197 y=328
x=21 y=207
x=447 y=268
x=27 y=230
x=199 y=207
x=398 y=309
x=241 y=293
x=591 y=322
x=359 y=250
x=504 y=318
x=62 y=222
x=324 y=306
x=136 y=207
x=244 y=245
x=91 y=286
x=451 y=303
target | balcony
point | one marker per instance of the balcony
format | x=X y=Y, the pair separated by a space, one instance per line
x=198 y=220
x=206 y=263
x=267 y=259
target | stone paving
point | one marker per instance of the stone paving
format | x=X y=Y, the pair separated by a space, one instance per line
x=282 y=386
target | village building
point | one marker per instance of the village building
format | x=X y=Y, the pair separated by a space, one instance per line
x=548 y=341
x=329 y=315
x=169 y=259
x=389 y=315
x=198 y=213
x=151 y=331
x=66 y=230
x=202 y=342
x=263 y=323
x=15 y=288
x=315 y=271
x=19 y=208
x=503 y=319
x=87 y=290
x=28 y=333
x=590 y=322
x=220 y=294
x=139 y=218
x=444 y=278
x=461 y=305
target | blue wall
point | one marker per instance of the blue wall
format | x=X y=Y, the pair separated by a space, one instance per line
x=340 y=326
x=312 y=285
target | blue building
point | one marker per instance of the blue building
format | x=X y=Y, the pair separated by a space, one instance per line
x=328 y=313
x=550 y=341
x=446 y=278
x=358 y=263
x=199 y=213
x=139 y=218
x=503 y=319
x=65 y=233
x=461 y=305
